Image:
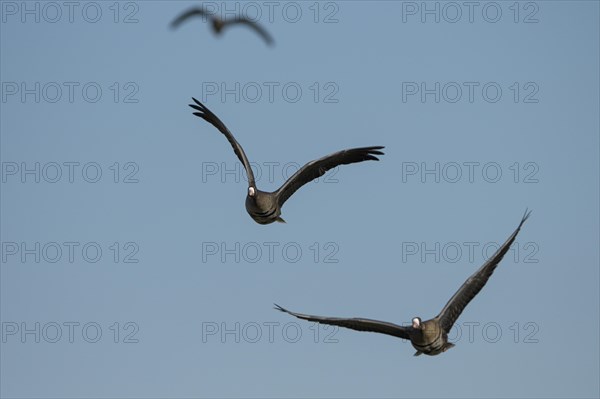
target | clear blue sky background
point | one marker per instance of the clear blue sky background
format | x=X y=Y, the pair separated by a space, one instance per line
x=370 y=220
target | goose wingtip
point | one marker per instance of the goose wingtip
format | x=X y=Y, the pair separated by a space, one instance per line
x=525 y=215
x=277 y=307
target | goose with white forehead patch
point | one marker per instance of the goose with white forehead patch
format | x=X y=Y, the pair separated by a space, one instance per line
x=265 y=207
x=219 y=24
x=427 y=337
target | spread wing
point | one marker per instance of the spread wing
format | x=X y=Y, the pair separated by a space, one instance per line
x=188 y=14
x=358 y=324
x=253 y=25
x=317 y=168
x=475 y=283
x=208 y=116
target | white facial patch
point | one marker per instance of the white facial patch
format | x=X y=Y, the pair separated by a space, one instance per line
x=251 y=191
x=416 y=322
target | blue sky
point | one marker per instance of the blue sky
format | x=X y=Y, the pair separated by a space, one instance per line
x=128 y=254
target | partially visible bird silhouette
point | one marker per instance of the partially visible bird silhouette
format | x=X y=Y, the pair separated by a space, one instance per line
x=218 y=24
x=427 y=337
x=265 y=207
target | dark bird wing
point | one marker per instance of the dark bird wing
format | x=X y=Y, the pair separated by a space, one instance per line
x=189 y=13
x=358 y=324
x=317 y=168
x=208 y=116
x=475 y=283
x=255 y=26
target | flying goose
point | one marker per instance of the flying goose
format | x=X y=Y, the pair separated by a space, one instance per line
x=265 y=207
x=429 y=337
x=218 y=24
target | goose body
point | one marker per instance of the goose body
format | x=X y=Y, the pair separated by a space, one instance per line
x=263 y=207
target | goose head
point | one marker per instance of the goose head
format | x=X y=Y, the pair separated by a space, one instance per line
x=416 y=323
x=253 y=198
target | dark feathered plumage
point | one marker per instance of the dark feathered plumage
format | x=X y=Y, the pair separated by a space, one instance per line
x=265 y=207
x=218 y=24
x=429 y=337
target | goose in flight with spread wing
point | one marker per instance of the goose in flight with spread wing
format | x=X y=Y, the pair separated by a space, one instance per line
x=218 y=24
x=427 y=337
x=265 y=207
